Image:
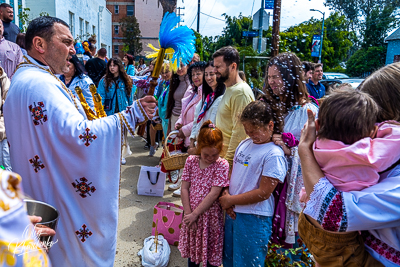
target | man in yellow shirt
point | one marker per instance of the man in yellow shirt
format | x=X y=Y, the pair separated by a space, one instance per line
x=237 y=96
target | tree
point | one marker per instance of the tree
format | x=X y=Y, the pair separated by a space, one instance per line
x=131 y=35
x=372 y=18
x=336 y=43
x=377 y=25
x=199 y=45
x=232 y=35
x=338 y=40
x=365 y=61
x=25 y=18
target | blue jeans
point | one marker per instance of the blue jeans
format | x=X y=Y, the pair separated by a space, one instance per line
x=246 y=240
x=5 y=155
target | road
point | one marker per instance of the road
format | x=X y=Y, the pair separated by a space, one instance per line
x=136 y=212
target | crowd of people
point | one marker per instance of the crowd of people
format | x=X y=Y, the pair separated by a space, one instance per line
x=260 y=170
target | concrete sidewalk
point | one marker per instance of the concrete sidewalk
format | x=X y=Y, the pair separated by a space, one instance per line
x=136 y=212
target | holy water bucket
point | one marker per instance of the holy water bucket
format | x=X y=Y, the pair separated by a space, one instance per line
x=49 y=216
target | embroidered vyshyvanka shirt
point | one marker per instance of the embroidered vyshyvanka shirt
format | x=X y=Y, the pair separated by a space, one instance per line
x=374 y=210
x=69 y=162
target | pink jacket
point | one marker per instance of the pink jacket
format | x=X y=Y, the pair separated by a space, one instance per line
x=189 y=102
x=356 y=166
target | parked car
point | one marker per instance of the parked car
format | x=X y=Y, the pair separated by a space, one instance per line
x=334 y=75
x=331 y=83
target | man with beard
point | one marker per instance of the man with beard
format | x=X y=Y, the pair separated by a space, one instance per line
x=10 y=29
x=237 y=96
x=64 y=159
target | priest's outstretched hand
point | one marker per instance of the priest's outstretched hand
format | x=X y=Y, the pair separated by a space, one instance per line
x=149 y=104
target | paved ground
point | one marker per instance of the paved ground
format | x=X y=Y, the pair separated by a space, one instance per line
x=136 y=212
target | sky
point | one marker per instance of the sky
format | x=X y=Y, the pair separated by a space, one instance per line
x=293 y=12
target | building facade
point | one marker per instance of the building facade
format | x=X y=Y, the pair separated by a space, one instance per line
x=393 y=48
x=17 y=7
x=148 y=15
x=85 y=17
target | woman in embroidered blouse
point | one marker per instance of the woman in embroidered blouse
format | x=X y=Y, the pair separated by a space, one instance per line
x=115 y=88
x=208 y=107
x=376 y=208
x=288 y=95
x=129 y=63
x=76 y=76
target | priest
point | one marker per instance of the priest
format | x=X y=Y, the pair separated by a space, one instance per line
x=66 y=160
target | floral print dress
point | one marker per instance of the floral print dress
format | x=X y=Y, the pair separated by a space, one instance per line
x=205 y=243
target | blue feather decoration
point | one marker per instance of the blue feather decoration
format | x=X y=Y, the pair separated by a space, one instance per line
x=181 y=39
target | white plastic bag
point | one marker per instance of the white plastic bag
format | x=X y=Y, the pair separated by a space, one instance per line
x=152 y=259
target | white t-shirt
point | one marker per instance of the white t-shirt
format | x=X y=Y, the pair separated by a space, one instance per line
x=86 y=57
x=252 y=161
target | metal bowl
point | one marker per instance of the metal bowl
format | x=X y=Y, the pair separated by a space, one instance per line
x=49 y=216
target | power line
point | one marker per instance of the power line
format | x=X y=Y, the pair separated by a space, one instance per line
x=190 y=5
x=252 y=7
x=193 y=21
x=210 y=14
x=212 y=17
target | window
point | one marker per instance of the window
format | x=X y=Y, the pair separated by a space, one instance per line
x=116 y=9
x=80 y=28
x=116 y=29
x=130 y=11
x=94 y=30
x=87 y=27
x=71 y=23
x=116 y=49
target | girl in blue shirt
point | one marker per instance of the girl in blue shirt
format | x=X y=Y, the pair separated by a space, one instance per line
x=115 y=89
x=129 y=63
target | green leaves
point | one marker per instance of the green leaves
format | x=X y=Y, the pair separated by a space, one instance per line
x=337 y=41
x=131 y=35
x=372 y=19
x=278 y=257
x=365 y=61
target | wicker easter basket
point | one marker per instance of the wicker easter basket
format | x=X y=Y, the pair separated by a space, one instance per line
x=173 y=162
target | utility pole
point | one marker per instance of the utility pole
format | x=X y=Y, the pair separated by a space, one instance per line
x=322 y=33
x=322 y=38
x=198 y=17
x=179 y=15
x=260 y=26
x=275 y=27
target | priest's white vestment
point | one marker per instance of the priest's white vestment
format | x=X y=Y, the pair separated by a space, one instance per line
x=69 y=162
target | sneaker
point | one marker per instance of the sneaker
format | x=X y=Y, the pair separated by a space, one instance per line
x=176 y=186
x=146 y=147
x=123 y=161
x=177 y=193
x=174 y=176
x=152 y=151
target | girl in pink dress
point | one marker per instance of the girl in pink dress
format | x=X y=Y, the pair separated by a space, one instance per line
x=204 y=176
